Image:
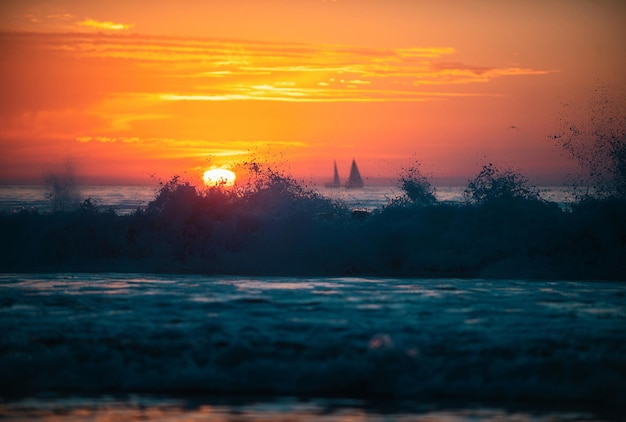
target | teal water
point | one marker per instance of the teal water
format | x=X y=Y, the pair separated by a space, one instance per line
x=139 y=346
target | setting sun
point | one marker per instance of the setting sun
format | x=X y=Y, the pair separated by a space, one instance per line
x=219 y=177
x=201 y=199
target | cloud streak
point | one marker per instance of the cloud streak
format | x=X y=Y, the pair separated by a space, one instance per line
x=189 y=148
x=185 y=69
x=108 y=25
x=67 y=22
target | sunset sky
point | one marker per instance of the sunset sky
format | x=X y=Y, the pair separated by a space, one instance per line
x=128 y=89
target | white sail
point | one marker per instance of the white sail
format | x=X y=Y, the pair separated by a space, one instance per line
x=355 y=180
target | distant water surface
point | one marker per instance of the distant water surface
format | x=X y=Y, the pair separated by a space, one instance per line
x=127 y=199
x=123 y=199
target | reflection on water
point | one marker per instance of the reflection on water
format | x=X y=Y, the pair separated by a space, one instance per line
x=169 y=409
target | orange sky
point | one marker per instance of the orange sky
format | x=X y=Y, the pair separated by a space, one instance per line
x=129 y=89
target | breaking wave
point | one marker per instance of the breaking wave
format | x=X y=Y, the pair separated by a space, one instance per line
x=275 y=226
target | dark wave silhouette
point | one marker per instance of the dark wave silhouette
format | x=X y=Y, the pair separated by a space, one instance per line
x=275 y=226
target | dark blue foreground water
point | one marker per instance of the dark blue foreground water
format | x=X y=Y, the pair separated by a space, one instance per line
x=138 y=346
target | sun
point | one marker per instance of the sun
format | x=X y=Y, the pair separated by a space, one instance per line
x=219 y=177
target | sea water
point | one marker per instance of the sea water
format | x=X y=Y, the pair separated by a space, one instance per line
x=127 y=199
x=123 y=346
x=122 y=199
x=173 y=348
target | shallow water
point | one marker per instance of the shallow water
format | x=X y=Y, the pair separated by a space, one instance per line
x=187 y=347
x=176 y=408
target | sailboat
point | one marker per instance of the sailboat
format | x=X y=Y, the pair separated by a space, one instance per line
x=335 y=183
x=355 y=181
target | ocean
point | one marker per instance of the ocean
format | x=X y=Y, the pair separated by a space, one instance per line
x=281 y=306
x=126 y=199
x=187 y=347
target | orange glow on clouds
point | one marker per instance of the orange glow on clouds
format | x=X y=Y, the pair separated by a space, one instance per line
x=104 y=25
x=221 y=70
x=294 y=81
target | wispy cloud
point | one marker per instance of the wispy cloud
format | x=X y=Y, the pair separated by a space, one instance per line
x=69 y=22
x=114 y=26
x=190 y=148
x=459 y=73
x=61 y=16
x=185 y=69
